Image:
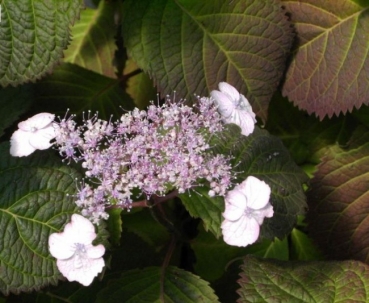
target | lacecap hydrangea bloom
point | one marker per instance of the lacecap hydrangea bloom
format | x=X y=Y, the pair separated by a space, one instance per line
x=77 y=259
x=153 y=152
x=34 y=133
x=156 y=151
x=234 y=108
x=246 y=206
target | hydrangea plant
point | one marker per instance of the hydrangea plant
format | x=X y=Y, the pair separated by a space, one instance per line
x=151 y=151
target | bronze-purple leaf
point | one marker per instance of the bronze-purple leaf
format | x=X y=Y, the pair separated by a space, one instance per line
x=339 y=200
x=329 y=71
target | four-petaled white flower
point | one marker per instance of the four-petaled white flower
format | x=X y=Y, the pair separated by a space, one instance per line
x=246 y=206
x=234 y=108
x=34 y=133
x=77 y=259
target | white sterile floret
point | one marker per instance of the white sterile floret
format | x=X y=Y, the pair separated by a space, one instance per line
x=246 y=206
x=77 y=259
x=234 y=108
x=34 y=133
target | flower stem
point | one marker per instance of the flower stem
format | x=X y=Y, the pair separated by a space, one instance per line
x=167 y=258
x=143 y=203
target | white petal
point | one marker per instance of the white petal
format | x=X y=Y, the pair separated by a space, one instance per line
x=260 y=214
x=268 y=210
x=247 y=123
x=80 y=230
x=36 y=122
x=224 y=103
x=228 y=89
x=19 y=144
x=243 y=119
x=85 y=274
x=256 y=191
x=240 y=233
x=235 y=205
x=41 y=138
x=60 y=247
x=95 y=252
x=245 y=105
x=82 y=224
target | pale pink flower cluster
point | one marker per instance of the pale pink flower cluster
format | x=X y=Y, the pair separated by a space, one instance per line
x=155 y=151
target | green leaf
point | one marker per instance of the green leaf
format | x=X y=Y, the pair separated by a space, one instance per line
x=213 y=255
x=308 y=282
x=189 y=46
x=338 y=200
x=13 y=103
x=74 y=87
x=328 y=72
x=64 y=292
x=114 y=223
x=278 y=249
x=33 y=35
x=140 y=86
x=102 y=235
x=144 y=225
x=303 y=135
x=302 y=247
x=34 y=203
x=362 y=115
x=265 y=157
x=93 y=45
x=151 y=285
x=200 y=205
x=134 y=252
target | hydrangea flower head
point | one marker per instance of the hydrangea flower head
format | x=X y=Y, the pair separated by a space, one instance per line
x=234 y=108
x=34 y=133
x=162 y=149
x=246 y=206
x=77 y=259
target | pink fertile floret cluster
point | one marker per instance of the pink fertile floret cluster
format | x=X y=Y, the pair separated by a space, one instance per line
x=156 y=151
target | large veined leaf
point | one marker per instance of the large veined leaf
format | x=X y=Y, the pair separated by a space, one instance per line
x=93 y=45
x=33 y=35
x=338 y=200
x=328 y=73
x=139 y=286
x=79 y=89
x=33 y=204
x=304 y=282
x=191 y=46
